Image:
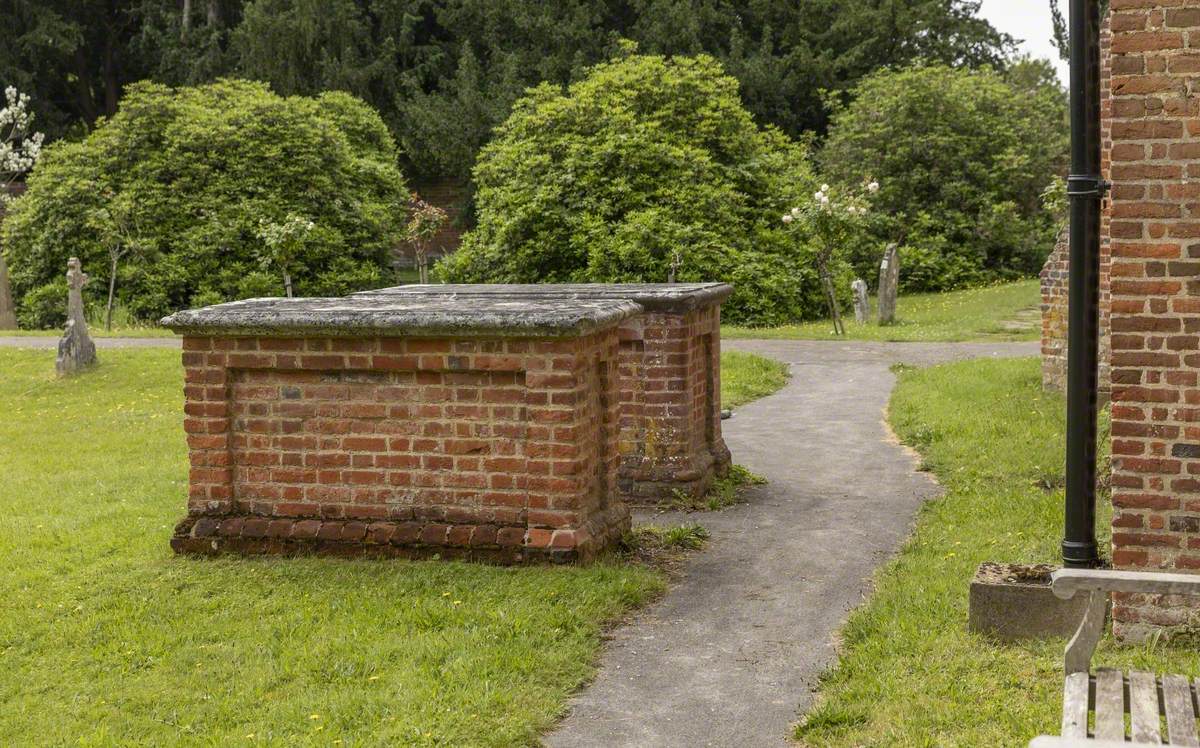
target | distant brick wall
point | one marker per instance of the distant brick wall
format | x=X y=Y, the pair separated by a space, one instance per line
x=670 y=437
x=450 y=195
x=1055 y=275
x=501 y=450
x=1155 y=301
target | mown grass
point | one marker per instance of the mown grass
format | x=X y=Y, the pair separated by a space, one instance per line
x=747 y=376
x=1004 y=312
x=107 y=638
x=910 y=674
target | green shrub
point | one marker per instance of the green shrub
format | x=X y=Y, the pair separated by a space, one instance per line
x=202 y=167
x=963 y=157
x=645 y=163
x=44 y=307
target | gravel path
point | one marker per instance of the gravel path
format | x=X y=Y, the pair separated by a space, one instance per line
x=729 y=656
x=52 y=342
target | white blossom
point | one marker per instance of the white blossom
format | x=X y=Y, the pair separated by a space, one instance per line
x=819 y=196
x=19 y=148
x=787 y=218
x=825 y=188
x=873 y=187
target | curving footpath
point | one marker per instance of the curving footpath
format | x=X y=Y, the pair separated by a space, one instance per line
x=730 y=655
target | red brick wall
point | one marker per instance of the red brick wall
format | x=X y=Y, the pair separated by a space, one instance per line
x=495 y=449
x=1155 y=300
x=670 y=438
x=1055 y=273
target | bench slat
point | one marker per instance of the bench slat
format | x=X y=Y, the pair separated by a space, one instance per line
x=1110 y=705
x=1181 y=713
x=1075 y=706
x=1143 y=707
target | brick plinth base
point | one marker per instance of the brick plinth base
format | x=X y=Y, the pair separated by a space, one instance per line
x=493 y=449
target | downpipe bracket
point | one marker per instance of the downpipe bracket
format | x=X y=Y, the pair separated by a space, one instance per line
x=1088 y=186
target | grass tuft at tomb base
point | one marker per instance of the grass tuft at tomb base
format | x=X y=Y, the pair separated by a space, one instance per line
x=107 y=637
x=910 y=674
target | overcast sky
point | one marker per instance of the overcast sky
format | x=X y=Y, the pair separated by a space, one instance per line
x=1029 y=21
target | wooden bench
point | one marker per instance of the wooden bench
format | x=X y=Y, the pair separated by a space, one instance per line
x=1112 y=694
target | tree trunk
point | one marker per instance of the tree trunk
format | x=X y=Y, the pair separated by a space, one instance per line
x=112 y=289
x=185 y=18
x=830 y=296
x=422 y=268
x=214 y=13
x=8 y=310
x=287 y=283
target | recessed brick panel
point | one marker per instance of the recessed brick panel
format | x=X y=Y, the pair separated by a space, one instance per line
x=499 y=449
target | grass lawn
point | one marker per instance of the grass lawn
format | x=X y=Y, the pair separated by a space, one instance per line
x=746 y=377
x=1006 y=312
x=910 y=674
x=107 y=637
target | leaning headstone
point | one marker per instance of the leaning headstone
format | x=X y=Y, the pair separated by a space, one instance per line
x=889 y=282
x=862 y=302
x=76 y=351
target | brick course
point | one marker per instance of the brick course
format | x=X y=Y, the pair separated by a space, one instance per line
x=1155 y=125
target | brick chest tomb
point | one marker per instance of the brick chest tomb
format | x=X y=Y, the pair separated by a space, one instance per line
x=670 y=376
x=404 y=426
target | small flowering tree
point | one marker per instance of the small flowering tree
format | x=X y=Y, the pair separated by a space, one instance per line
x=424 y=222
x=283 y=243
x=833 y=221
x=19 y=151
x=116 y=223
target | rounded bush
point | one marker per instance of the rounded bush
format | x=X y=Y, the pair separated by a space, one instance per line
x=645 y=166
x=963 y=157
x=197 y=171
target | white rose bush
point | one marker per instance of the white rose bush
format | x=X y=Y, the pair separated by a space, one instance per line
x=19 y=147
x=831 y=221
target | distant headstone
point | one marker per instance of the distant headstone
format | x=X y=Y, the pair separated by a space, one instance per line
x=862 y=302
x=889 y=283
x=76 y=351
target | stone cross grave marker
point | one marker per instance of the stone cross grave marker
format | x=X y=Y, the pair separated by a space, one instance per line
x=76 y=351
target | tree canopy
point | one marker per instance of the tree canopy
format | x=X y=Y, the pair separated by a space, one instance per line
x=963 y=158
x=647 y=168
x=443 y=73
x=188 y=180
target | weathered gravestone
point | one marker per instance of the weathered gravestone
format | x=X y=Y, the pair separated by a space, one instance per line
x=889 y=283
x=862 y=302
x=76 y=351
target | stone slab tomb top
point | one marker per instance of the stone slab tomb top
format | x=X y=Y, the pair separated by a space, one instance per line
x=383 y=314
x=653 y=297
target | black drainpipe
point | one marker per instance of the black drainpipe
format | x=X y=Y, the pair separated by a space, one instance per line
x=1086 y=188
